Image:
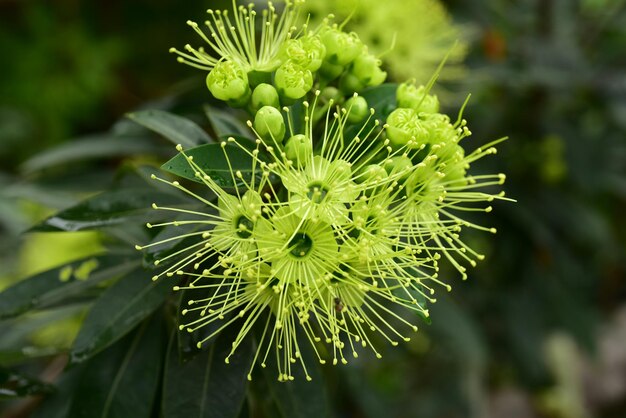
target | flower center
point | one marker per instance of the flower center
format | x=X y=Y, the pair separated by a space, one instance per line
x=300 y=245
x=244 y=227
x=317 y=192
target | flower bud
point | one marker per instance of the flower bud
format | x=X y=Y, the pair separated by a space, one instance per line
x=308 y=52
x=228 y=81
x=406 y=128
x=293 y=81
x=372 y=173
x=439 y=128
x=269 y=123
x=357 y=109
x=265 y=95
x=366 y=68
x=331 y=93
x=341 y=48
x=410 y=96
x=350 y=84
x=401 y=165
x=299 y=149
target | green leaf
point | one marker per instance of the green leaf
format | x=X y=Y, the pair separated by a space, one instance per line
x=217 y=162
x=299 y=398
x=60 y=284
x=130 y=300
x=188 y=341
x=99 y=146
x=57 y=405
x=175 y=128
x=162 y=251
x=121 y=382
x=26 y=354
x=225 y=124
x=16 y=385
x=107 y=209
x=205 y=386
x=382 y=99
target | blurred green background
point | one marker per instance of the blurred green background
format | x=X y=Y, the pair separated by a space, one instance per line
x=538 y=330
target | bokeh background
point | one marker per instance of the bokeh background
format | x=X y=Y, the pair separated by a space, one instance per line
x=538 y=329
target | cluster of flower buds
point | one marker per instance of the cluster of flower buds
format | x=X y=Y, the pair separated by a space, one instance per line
x=340 y=217
x=288 y=65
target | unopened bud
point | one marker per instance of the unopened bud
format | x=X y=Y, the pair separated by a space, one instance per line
x=400 y=164
x=366 y=68
x=265 y=95
x=269 y=123
x=350 y=84
x=299 y=149
x=357 y=109
x=415 y=98
x=341 y=48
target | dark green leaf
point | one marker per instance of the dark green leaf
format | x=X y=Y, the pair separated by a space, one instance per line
x=121 y=382
x=299 y=398
x=205 y=386
x=60 y=284
x=217 y=162
x=188 y=341
x=101 y=146
x=15 y=385
x=175 y=237
x=25 y=354
x=107 y=209
x=225 y=124
x=57 y=405
x=175 y=128
x=382 y=99
x=121 y=308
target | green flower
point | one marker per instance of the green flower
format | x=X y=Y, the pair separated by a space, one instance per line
x=330 y=233
x=300 y=250
x=235 y=38
x=321 y=190
x=233 y=236
x=413 y=36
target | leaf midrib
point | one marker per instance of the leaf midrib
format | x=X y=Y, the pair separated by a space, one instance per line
x=121 y=371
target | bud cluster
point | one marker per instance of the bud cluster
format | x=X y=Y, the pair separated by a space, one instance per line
x=290 y=64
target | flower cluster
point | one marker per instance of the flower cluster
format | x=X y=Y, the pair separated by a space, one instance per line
x=333 y=232
x=420 y=33
x=284 y=64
